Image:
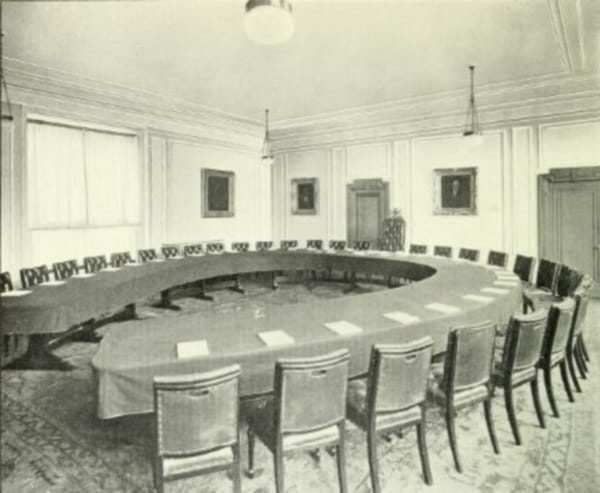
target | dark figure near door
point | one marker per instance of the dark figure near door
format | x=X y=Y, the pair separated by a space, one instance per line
x=456 y=191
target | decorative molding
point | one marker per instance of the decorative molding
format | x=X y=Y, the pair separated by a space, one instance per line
x=558 y=26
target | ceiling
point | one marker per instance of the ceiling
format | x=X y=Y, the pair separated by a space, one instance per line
x=344 y=54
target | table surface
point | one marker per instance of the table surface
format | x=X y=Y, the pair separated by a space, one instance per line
x=132 y=353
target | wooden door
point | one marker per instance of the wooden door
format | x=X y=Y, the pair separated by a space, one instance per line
x=368 y=205
x=569 y=219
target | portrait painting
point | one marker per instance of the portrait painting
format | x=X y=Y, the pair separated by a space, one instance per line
x=217 y=193
x=455 y=191
x=305 y=196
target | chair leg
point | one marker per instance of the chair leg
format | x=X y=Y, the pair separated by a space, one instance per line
x=579 y=361
x=549 y=391
x=251 y=439
x=571 y=365
x=423 y=452
x=452 y=438
x=584 y=348
x=236 y=472
x=512 y=416
x=158 y=476
x=278 y=466
x=536 y=402
x=373 y=465
x=565 y=379
x=582 y=354
x=487 y=408
x=341 y=460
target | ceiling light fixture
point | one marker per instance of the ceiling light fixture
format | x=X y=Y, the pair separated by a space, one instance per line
x=267 y=152
x=472 y=120
x=269 y=22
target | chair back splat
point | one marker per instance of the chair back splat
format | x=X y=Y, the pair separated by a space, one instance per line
x=469 y=254
x=547 y=275
x=559 y=325
x=119 y=259
x=191 y=250
x=315 y=244
x=240 y=246
x=524 y=340
x=263 y=246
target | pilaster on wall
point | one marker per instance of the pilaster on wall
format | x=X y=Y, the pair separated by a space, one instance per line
x=158 y=189
x=338 y=182
x=400 y=189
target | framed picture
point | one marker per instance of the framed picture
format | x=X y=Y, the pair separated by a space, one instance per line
x=455 y=191
x=217 y=193
x=305 y=196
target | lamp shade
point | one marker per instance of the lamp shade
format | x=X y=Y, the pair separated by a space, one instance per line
x=269 y=22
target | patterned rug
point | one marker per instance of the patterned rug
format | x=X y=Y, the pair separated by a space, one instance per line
x=52 y=442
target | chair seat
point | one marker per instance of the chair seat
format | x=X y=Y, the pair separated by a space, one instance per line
x=357 y=410
x=175 y=466
x=461 y=398
x=260 y=417
x=517 y=376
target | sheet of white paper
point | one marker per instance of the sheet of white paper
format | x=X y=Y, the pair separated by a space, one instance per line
x=15 y=294
x=478 y=297
x=111 y=269
x=276 y=338
x=442 y=307
x=495 y=290
x=132 y=264
x=402 y=317
x=176 y=257
x=506 y=283
x=52 y=283
x=83 y=275
x=343 y=328
x=157 y=260
x=192 y=349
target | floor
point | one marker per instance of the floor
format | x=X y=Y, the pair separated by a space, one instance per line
x=52 y=442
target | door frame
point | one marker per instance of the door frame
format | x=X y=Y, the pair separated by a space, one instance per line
x=365 y=186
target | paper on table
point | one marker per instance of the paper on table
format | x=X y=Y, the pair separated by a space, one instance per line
x=442 y=307
x=343 y=328
x=192 y=349
x=195 y=254
x=494 y=290
x=157 y=260
x=402 y=317
x=52 y=283
x=506 y=283
x=276 y=338
x=176 y=257
x=15 y=293
x=111 y=269
x=506 y=275
x=132 y=264
x=477 y=297
x=83 y=275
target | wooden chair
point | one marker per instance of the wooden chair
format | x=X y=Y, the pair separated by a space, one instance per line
x=307 y=411
x=119 y=259
x=215 y=247
x=466 y=378
x=575 y=353
x=288 y=244
x=547 y=275
x=314 y=244
x=263 y=246
x=337 y=245
x=568 y=281
x=64 y=270
x=523 y=267
x=442 y=251
x=392 y=397
x=6 y=283
x=32 y=276
x=518 y=363
x=361 y=245
x=469 y=254
x=191 y=250
x=554 y=348
x=240 y=246
x=497 y=258
x=13 y=345
x=197 y=425
x=147 y=255
x=170 y=251
x=419 y=249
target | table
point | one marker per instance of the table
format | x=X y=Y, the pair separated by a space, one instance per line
x=132 y=353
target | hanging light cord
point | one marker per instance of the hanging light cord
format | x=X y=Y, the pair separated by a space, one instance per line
x=5 y=86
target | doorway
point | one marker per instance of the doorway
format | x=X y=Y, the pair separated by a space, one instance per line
x=368 y=204
x=569 y=219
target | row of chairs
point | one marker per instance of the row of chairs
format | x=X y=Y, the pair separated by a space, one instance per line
x=197 y=415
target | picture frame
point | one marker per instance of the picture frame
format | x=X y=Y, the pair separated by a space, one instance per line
x=218 y=193
x=455 y=191
x=305 y=196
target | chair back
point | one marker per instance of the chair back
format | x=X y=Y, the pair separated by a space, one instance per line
x=524 y=267
x=192 y=250
x=310 y=393
x=523 y=343
x=240 y=246
x=263 y=246
x=398 y=375
x=6 y=283
x=215 y=247
x=415 y=248
x=568 y=281
x=119 y=259
x=361 y=245
x=196 y=412
x=469 y=355
x=547 y=274
x=497 y=258
x=287 y=244
x=469 y=254
x=170 y=251
x=560 y=320
x=94 y=264
x=581 y=306
x=337 y=244
x=32 y=276
x=316 y=244
x=64 y=270
x=147 y=255
x=442 y=251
